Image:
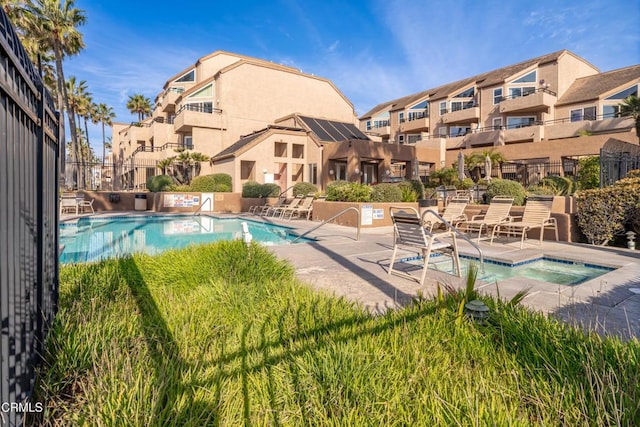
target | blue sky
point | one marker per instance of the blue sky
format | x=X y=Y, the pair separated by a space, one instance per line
x=373 y=51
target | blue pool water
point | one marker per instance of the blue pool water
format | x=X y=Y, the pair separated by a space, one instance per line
x=93 y=239
x=550 y=270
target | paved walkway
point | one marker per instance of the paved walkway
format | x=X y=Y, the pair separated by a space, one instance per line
x=357 y=270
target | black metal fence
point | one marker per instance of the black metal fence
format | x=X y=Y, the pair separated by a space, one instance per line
x=615 y=166
x=109 y=176
x=28 y=224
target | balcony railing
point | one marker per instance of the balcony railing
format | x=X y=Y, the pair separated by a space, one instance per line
x=145 y=149
x=526 y=93
x=199 y=108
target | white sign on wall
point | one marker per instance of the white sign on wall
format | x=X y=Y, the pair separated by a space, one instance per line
x=366 y=215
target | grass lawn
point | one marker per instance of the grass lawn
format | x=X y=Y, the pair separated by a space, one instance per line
x=225 y=335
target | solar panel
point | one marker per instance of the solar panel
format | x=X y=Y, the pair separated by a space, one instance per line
x=316 y=128
x=328 y=130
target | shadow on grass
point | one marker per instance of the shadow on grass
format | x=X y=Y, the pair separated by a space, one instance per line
x=169 y=367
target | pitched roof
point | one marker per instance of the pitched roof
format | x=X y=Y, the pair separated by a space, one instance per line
x=592 y=87
x=485 y=79
x=247 y=141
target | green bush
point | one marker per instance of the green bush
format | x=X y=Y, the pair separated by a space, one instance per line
x=589 y=173
x=417 y=186
x=342 y=191
x=560 y=185
x=158 y=183
x=540 y=190
x=304 y=188
x=386 y=193
x=252 y=189
x=604 y=213
x=216 y=183
x=505 y=187
x=465 y=184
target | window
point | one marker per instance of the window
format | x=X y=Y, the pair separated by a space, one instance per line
x=201 y=107
x=419 y=111
x=497 y=96
x=466 y=94
x=456 y=105
x=588 y=113
x=188 y=77
x=633 y=90
x=497 y=123
x=519 y=122
x=205 y=92
x=188 y=142
x=443 y=107
x=412 y=139
x=442 y=131
x=247 y=170
x=527 y=78
x=458 y=131
x=400 y=139
x=516 y=92
x=401 y=116
x=341 y=171
x=313 y=173
x=368 y=125
x=610 y=111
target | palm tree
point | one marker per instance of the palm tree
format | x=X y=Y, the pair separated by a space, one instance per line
x=79 y=100
x=140 y=105
x=54 y=25
x=476 y=160
x=630 y=106
x=104 y=115
x=164 y=164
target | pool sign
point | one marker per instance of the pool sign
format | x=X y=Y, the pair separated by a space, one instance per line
x=366 y=215
x=181 y=200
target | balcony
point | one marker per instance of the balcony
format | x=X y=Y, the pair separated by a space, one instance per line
x=566 y=128
x=525 y=133
x=169 y=99
x=382 y=129
x=466 y=115
x=190 y=116
x=420 y=124
x=540 y=100
x=489 y=137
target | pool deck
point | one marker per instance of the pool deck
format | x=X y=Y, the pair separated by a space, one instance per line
x=358 y=270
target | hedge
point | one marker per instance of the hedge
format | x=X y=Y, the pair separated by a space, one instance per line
x=505 y=187
x=605 y=212
x=158 y=183
x=252 y=189
x=342 y=191
x=386 y=193
x=304 y=188
x=216 y=183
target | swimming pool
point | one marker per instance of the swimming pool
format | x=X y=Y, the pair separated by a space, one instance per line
x=550 y=270
x=93 y=239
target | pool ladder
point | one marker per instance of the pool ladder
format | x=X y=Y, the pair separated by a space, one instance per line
x=352 y=208
x=197 y=211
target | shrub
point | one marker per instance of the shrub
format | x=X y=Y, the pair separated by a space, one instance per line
x=158 y=183
x=270 y=190
x=603 y=213
x=216 y=183
x=589 y=173
x=386 y=193
x=417 y=187
x=342 y=191
x=252 y=189
x=304 y=188
x=635 y=173
x=560 y=185
x=465 y=184
x=540 y=190
x=505 y=187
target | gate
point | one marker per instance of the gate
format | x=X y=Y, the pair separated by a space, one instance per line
x=28 y=223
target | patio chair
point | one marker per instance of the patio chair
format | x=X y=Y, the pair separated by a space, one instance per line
x=303 y=208
x=82 y=204
x=279 y=210
x=453 y=213
x=261 y=209
x=537 y=215
x=68 y=204
x=409 y=231
x=497 y=213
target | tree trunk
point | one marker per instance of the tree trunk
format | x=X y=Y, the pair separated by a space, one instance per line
x=104 y=143
x=62 y=88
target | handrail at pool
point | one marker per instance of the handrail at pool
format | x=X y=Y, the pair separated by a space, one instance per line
x=197 y=212
x=331 y=219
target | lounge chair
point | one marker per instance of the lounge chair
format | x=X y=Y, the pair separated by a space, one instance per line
x=261 y=209
x=303 y=208
x=537 y=215
x=86 y=204
x=497 y=213
x=409 y=231
x=279 y=210
x=68 y=204
x=453 y=213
